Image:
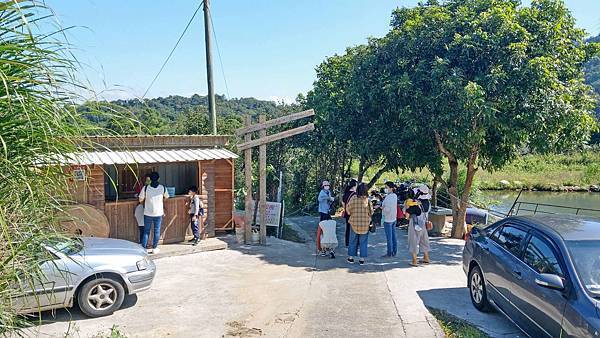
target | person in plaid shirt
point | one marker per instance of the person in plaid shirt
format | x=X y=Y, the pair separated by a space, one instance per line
x=360 y=212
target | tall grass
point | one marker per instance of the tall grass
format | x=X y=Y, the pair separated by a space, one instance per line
x=38 y=122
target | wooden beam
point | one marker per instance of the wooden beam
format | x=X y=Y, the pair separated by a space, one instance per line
x=268 y=139
x=248 y=175
x=262 y=167
x=274 y=122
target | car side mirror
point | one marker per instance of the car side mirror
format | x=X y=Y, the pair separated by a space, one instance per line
x=550 y=281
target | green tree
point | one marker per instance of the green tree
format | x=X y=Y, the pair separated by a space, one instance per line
x=484 y=79
x=38 y=122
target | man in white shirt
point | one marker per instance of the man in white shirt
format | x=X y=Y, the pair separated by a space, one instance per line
x=389 y=213
x=152 y=197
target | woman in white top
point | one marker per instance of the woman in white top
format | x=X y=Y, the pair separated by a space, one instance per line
x=390 y=213
x=152 y=197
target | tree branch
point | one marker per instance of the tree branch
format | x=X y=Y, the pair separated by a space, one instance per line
x=443 y=150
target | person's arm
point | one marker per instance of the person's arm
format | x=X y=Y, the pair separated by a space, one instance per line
x=165 y=193
x=196 y=206
x=322 y=196
x=142 y=195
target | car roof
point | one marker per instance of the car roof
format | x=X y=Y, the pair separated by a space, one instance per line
x=569 y=227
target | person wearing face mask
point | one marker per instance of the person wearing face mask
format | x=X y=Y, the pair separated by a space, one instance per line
x=325 y=199
x=348 y=193
x=390 y=212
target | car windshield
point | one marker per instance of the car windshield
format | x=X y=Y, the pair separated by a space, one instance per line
x=586 y=257
x=67 y=246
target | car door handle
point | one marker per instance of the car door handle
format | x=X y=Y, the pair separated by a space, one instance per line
x=517 y=274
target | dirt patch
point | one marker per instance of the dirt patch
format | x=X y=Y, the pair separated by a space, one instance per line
x=237 y=329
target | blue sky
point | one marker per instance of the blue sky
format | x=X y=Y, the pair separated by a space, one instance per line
x=269 y=48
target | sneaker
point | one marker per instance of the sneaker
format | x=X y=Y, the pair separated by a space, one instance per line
x=157 y=250
x=350 y=260
x=361 y=261
x=150 y=251
x=332 y=255
x=323 y=254
x=191 y=240
x=196 y=241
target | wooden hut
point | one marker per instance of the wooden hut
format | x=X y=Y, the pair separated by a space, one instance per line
x=105 y=175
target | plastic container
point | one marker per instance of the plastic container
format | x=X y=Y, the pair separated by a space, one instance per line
x=171 y=191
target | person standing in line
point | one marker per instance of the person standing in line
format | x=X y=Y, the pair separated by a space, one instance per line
x=153 y=197
x=196 y=210
x=325 y=199
x=390 y=212
x=360 y=212
x=348 y=193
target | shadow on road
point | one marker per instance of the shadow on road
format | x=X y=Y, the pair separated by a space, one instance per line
x=443 y=251
x=456 y=301
x=72 y=314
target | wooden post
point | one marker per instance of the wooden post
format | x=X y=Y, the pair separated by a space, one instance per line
x=248 y=175
x=262 y=167
x=210 y=186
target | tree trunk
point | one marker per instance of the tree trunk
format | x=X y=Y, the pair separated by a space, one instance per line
x=375 y=178
x=458 y=210
x=361 y=169
x=434 y=190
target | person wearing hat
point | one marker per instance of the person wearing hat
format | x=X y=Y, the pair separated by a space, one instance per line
x=418 y=239
x=325 y=199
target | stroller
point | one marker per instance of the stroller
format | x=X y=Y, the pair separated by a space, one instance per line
x=326 y=238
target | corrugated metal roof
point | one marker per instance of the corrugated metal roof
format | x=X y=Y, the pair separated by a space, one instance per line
x=147 y=156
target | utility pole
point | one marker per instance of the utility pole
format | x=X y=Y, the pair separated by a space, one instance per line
x=212 y=113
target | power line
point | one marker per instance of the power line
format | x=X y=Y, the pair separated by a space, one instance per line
x=173 y=50
x=219 y=54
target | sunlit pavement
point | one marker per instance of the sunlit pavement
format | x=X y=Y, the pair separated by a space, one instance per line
x=285 y=290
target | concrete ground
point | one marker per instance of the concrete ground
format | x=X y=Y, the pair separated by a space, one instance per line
x=285 y=290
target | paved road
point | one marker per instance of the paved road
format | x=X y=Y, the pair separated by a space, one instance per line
x=284 y=290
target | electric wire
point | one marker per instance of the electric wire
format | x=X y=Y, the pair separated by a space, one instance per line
x=173 y=50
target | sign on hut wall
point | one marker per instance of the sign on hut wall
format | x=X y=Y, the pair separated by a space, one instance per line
x=274 y=210
x=79 y=174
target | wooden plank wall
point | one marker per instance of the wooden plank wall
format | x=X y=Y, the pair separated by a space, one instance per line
x=223 y=200
x=175 y=225
x=90 y=191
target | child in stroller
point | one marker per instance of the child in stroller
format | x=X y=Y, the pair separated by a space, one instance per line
x=326 y=238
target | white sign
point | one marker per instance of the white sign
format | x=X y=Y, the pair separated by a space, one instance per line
x=273 y=213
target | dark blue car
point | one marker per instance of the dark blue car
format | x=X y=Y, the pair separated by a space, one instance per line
x=542 y=272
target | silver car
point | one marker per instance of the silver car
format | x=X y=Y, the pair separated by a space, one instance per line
x=96 y=273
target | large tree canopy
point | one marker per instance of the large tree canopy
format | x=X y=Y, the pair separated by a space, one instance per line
x=475 y=81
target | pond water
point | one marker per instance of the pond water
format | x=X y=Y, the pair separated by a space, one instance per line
x=571 y=200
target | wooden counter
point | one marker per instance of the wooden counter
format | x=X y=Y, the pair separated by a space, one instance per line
x=175 y=226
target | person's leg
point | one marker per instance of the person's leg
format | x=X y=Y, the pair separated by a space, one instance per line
x=347 y=234
x=412 y=244
x=195 y=229
x=141 y=235
x=146 y=235
x=389 y=228
x=424 y=246
x=364 y=241
x=157 y=222
x=353 y=244
x=394 y=239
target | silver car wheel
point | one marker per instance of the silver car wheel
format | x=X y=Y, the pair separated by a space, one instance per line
x=101 y=296
x=477 y=288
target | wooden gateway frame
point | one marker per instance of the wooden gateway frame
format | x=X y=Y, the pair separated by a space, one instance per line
x=262 y=142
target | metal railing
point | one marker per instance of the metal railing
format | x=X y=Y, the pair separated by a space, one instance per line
x=532 y=208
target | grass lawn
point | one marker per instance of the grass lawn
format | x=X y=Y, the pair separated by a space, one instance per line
x=539 y=172
x=456 y=328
